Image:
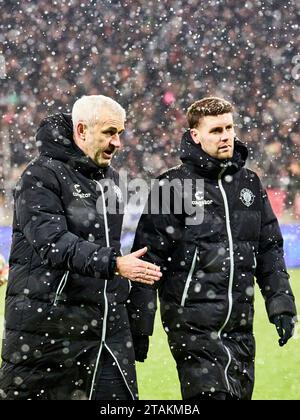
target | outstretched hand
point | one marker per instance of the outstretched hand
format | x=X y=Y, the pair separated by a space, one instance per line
x=131 y=267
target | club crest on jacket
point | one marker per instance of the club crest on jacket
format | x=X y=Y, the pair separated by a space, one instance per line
x=247 y=197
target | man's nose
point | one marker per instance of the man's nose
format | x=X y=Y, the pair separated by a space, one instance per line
x=115 y=140
x=224 y=135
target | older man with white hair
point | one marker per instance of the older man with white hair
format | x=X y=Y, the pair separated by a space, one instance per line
x=68 y=334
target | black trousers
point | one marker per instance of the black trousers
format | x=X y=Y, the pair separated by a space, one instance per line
x=110 y=385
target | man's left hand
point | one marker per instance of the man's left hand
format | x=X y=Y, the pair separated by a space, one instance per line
x=285 y=327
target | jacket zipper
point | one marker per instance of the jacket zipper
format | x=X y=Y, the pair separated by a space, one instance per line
x=189 y=278
x=105 y=305
x=60 y=287
x=105 y=297
x=119 y=367
x=231 y=273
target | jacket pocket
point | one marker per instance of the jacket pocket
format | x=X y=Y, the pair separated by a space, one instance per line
x=60 y=287
x=189 y=278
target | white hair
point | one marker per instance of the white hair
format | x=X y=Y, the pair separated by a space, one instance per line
x=88 y=108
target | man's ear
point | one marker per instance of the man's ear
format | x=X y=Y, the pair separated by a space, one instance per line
x=81 y=130
x=195 y=135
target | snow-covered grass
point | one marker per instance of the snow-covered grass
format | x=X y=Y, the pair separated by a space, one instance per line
x=277 y=369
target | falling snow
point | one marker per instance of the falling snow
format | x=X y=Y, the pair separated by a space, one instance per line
x=155 y=58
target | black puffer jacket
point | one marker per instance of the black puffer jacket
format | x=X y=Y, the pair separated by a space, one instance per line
x=207 y=293
x=63 y=304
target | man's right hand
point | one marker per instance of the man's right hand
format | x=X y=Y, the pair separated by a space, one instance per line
x=131 y=267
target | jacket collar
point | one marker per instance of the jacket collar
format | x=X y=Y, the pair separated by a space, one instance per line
x=193 y=155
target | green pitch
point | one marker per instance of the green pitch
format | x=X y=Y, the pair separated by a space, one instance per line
x=277 y=369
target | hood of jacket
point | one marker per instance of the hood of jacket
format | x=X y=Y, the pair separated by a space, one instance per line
x=55 y=140
x=207 y=166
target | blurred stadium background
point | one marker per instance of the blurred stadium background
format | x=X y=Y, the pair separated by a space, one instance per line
x=155 y=58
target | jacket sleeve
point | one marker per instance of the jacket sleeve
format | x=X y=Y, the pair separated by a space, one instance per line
x=271 y=273
x=40 y=216
x=160 y=233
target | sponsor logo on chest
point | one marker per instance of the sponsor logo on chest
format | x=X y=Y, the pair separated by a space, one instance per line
x=199 y=200
x=79 y=193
